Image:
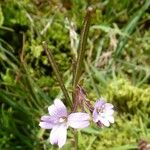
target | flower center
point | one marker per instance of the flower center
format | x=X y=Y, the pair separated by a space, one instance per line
x=101 y=109
x=62 y=119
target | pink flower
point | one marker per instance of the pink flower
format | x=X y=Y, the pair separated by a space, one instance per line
x=59 y=121
x=103 y=112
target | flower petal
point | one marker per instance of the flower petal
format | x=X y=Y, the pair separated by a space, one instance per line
x=111 y=119
x=58 y=135
x=79 y=120
x=58 y=103
x=50 y=119
x=104 y=121
x=99 y=103
x=58 y=109
x=108 y=111
x=46 y=118
x=46 y=125
x=95 y=115
x=109 y=105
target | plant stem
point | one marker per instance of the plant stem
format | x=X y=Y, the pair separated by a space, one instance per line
x=80 y=58
x=76 y=139
x=81 y=48
x=57 y=73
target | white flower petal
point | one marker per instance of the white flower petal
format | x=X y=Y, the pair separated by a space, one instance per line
x=104 y=121
x=58 y=135
x=109 y=105
x=108 y=111
x=79 y=120
x=111 y=119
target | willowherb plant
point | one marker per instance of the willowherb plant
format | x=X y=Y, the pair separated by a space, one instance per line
x=59 y=119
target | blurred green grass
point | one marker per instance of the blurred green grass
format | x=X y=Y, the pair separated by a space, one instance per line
x=116 y=67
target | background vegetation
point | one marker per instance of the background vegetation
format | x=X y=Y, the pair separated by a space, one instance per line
x=117 y=67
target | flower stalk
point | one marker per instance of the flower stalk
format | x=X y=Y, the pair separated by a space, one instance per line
x=80 y=58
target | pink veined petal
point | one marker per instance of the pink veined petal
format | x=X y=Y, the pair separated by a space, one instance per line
x=52 y=110
x=58 y=135
x=79 y=116
x=95 y=115
x=79 y=120
x=49 y=119
x=59 y=104
x=58 y=109
x=99 y=103
x=79 y=125
x=45 y=118
x=104 y=121
x=46 y=125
